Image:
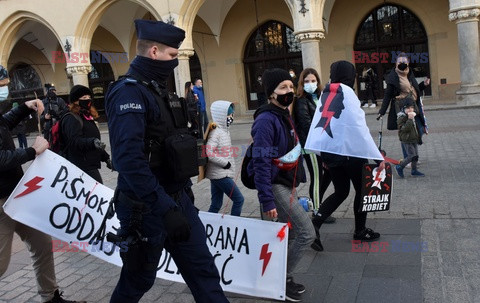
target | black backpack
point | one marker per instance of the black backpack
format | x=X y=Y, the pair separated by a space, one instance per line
x=247 y=180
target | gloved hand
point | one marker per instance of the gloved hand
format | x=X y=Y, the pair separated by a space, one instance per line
x=99 y=144
x=227 y=166
x=109 y=164
x=176 y=224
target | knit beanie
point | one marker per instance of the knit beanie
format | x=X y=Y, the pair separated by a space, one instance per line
x=407 y=102
x=79 y=91
x=342 y=72
x=272 y=78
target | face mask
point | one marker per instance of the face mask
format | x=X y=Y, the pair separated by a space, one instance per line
x=85 y=104
x=402 y=66
x=286 y=99
x=292 y=75
x=3 y=93
x=229 y=121
x=51 y=94
x=310 y=87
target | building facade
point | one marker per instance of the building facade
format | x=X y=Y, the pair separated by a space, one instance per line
x=229 y=43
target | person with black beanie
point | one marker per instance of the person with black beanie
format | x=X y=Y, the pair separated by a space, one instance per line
x=344 y=169
x=80 y=136
x=273 y=130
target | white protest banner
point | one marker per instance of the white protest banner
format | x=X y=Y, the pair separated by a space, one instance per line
x=57 y=198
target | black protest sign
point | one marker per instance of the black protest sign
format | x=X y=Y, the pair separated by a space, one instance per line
x=376 y=191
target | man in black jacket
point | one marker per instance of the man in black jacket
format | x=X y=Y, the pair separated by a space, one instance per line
x=11 y=160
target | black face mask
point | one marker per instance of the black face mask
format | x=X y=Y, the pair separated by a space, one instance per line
x=157 y=70
x=286 y=99
x=51 y=94
x=402 y=66
x=85 y=104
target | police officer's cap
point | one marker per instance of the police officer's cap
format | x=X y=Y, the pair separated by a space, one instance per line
x=160 y=32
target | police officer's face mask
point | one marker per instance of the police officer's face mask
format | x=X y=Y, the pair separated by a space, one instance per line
x=3 y=93
x=163 y=68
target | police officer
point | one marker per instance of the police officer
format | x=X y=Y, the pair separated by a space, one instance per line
x=154 y=199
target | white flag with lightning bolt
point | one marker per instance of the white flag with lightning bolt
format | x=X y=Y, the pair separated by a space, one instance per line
x=339 y=125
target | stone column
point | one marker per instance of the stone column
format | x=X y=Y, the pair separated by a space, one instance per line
x=469 y=50
x=310 y=42
x=182 y=72
x=79 y=73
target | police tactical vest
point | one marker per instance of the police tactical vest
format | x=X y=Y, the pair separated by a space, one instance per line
x=168 y=143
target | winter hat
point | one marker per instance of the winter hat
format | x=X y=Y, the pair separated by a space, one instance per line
x=342 y=72
x=272 y=78
x=407 y=102
x=79 y=91
x=231 y=109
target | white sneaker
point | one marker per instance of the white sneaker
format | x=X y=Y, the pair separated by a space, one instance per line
x=365 y=105
x=409 y=165
x=373 y=105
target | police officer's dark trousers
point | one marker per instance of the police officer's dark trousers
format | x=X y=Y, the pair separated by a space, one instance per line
x=192 y=257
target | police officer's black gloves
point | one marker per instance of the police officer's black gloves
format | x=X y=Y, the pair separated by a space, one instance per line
x=99 y=144
x=177 y=226
x=227 y=166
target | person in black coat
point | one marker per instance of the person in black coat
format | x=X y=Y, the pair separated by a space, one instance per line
x=308 y=93
x=401 y=83
x=81 y=136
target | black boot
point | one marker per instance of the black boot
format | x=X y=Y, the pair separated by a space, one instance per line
x=57 y=298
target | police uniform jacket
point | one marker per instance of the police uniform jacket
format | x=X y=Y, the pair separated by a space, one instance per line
x=130 y=108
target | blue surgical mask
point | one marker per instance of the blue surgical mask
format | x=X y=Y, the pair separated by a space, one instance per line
x=310 y=87
x=3 y=93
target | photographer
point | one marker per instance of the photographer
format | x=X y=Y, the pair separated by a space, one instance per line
x=54 y=108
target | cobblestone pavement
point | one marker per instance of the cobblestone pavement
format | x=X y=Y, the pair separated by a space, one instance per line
x=440 y=210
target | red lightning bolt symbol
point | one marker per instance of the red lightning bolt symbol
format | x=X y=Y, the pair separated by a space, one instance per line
x=265 y=255
x=31 y=186
x=326 y=113
x=377 y=178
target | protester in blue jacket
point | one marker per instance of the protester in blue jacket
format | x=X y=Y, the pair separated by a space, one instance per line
x=278 y=169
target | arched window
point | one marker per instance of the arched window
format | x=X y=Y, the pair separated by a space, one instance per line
x=384 y=33
x=271 y=45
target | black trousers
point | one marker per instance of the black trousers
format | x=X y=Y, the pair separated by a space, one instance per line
x=350 y=170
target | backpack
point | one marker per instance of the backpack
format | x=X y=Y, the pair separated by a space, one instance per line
x=56 y=144
x=247 y=180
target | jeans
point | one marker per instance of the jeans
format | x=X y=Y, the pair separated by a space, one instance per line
x=227 y=186
x=22 y=141
x=302 y=233
x=203 y=121
x=192 y=257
